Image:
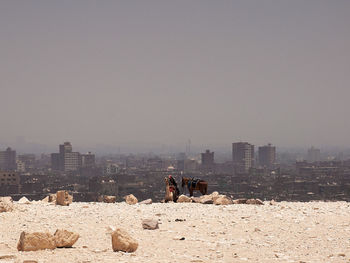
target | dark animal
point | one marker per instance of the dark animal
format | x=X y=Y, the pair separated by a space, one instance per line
x=192 y=185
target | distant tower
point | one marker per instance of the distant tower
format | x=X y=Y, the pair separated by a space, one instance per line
x=208 y=161
x=313 y=155
x=267 y=156
x=242 y=157
x=188 y=148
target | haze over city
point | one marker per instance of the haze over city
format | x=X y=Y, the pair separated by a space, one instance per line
x=162 y=72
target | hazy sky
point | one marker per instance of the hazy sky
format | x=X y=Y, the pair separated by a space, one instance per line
x=112 y=72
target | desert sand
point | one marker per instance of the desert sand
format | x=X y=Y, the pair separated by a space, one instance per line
x=282 y=232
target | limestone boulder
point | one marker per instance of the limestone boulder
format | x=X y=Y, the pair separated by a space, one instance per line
x=150 y=224
x=195 y=199
x=254 y=202
x=109 y=199
x=146 y=202
x=131 y=199
x=24 y=200
x=206 y=199
x=63 y=198
x=122 y=241
x=222 y=200
x=184 y=199
x=36 y=241
x=214 y=194
x=6 y=204
x=64 y=238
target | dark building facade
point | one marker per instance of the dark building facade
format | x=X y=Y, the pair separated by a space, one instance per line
x=8 y=160
x=267 y=156
x=208 y=164
x=242 y=157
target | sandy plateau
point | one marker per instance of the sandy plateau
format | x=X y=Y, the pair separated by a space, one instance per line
x=188 y=232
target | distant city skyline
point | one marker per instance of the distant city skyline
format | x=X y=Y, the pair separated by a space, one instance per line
x=142 y=74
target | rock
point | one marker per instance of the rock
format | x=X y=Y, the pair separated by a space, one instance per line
x=240 y=201
x=6 y=204
x=64 y=238
x=52 y=198
x=184 y=199
x=195 y=199
x=272 y=202
x=63 y=198
x=146 y=202
x=214 y=194
x=23 y=200
x=150 y=224
x=121 y=241
x=36 y=241
x=30 y=261
x=46 y=199
x=254 y=202
x=222 y=200
x=109 y=199
x=130 y=199
x=206 y=199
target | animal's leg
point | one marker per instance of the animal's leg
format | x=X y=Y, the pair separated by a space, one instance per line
x=191 y=192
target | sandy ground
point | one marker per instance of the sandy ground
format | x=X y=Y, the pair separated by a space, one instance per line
x=284 y=232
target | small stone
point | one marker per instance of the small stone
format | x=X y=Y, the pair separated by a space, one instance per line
x=254 y=202
x=64 y=238
x=206 y=199
x=35 y=241
x=63 y=198
x=24 y=200
x=6 y=204
x=222 y=200
x=46 y=199
x=150 y=224
x=121 y=241
x=184 y=199
x=130 y=199
x=109 y=199
x=146 y=202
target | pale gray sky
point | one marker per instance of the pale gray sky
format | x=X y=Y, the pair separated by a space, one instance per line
x=112 y=72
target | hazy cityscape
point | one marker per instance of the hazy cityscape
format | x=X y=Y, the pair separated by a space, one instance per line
x=193 y=131
x=249 y=171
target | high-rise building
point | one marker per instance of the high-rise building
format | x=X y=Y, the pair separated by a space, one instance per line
x=88 y=160
x=242 y=157
x=208 y=161
x=67 y=160
x=313 y=155
x=8 y=160
x=267 y=156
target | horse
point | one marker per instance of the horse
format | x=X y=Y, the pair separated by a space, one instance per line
x=200 y=185
x=169 y=191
